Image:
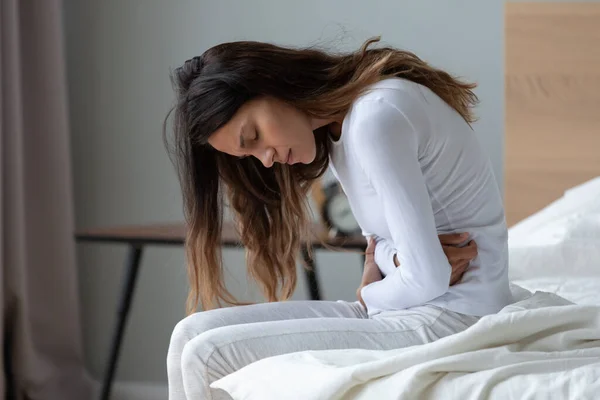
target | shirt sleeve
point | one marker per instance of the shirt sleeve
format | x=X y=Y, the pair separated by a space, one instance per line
x=384 y=255
x=386 y=147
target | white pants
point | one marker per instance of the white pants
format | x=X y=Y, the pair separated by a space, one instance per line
x=211 y=344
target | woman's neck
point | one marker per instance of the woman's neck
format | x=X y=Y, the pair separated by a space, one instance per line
x=335 y=130
x=334 y=126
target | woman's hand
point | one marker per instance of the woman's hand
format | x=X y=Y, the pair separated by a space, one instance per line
x=458 y=257
x=371 y=271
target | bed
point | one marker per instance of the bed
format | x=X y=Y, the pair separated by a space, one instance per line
x=547 y=344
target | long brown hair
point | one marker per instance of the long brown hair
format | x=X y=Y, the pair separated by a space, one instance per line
x=269 y=205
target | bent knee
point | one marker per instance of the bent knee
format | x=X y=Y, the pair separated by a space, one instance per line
x=193 y=326
x=197 y=351
x=202 y=360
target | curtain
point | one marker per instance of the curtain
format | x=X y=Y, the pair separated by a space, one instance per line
x=42 y=348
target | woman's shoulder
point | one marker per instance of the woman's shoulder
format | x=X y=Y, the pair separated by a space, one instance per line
x=384 y=115
x=395 y=91
x=393 y=95
x=392 y=102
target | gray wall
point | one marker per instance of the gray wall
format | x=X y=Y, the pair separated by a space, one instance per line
x=552 y=1
x=119 y=56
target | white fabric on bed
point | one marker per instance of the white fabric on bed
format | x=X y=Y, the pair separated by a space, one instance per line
x=558 y=249
x=538 y=348
x=582 y=200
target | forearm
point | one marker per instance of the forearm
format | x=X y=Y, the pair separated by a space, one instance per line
x=385 y=256
x=389 y=157
x=397 y=291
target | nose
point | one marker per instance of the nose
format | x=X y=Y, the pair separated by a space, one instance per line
x=267 y=157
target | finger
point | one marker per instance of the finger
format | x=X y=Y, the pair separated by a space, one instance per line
x=454 y=280
x=472 y=244
x=460 y=267
x=455 y=254
x=471 y=250
x=453 y=239
x=458 y=273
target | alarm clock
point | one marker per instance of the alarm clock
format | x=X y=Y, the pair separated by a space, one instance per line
x=336 y=211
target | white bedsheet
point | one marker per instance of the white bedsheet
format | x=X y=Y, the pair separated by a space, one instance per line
x=557 y=249
x=538 y=348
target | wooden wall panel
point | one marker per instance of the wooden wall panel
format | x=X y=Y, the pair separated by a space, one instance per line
x=552 y=102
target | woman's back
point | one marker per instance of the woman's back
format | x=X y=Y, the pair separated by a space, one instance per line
x=397 y=127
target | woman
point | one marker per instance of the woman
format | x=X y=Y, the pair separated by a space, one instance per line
x=260 y=123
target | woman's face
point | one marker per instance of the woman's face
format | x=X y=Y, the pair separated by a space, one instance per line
x=270 y=130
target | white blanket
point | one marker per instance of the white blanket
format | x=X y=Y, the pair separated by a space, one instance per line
x=543 y=347
x=557 y=249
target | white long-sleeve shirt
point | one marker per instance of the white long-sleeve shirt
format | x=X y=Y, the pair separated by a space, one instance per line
x=412 y=168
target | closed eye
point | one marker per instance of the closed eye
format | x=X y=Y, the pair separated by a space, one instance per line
x=255 y=138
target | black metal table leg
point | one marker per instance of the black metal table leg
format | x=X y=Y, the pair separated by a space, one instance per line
x=311 y=275
x=131 y=272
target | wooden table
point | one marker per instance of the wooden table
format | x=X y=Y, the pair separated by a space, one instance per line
x=137 y=237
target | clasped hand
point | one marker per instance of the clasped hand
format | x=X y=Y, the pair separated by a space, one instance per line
x=458 y=257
